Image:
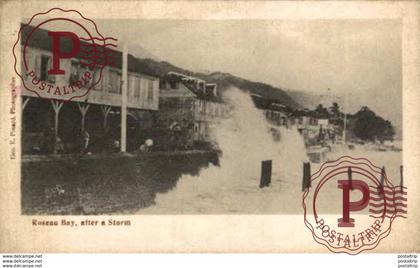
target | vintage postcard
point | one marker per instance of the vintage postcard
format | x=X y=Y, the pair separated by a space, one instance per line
x=201 y=126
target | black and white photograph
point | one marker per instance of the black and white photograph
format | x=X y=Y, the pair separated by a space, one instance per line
x=220 y=116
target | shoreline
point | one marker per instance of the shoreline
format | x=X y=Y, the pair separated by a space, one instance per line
x=59 y=157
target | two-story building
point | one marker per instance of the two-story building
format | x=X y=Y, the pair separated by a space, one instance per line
x=95 y=116
x=175 y=120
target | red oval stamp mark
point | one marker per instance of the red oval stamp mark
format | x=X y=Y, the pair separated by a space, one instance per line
x=73 y=54
x=351 y=205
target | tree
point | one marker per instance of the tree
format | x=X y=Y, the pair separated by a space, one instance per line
x=369 y=126
x=335 y=115
x=334 y=109
x=321 y=112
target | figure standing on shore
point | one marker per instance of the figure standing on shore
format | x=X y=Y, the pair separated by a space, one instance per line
x=146 y=146
x=86 y=138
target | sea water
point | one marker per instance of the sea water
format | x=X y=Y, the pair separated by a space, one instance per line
x=245 y=139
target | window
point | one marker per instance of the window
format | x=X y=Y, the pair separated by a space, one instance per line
x=143 y=87
x=95 y=76
x=37 y=65
x=137 y=91
x=104 y=83
x=198 y=106
x=131 y=85
x=115 y=82
x=173 y=84
x=134 y=86
x=150 y=90
x=162 y=84
x=45 y=66
x=78 y=71
x=204 y=107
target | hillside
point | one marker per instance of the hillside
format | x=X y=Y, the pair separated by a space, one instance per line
x=311 y=100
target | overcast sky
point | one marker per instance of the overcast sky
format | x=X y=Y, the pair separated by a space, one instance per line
x=361 y=58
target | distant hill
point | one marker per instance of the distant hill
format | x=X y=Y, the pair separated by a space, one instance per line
x=141 y=52
x=223 y=80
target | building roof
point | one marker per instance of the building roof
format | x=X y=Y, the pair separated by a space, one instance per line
x=269 y=104
x=180 y=92
x=189 y=82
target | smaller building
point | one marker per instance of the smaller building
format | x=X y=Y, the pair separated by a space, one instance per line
x=314 y=130
x=276 y=113
x=175 y=119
